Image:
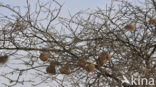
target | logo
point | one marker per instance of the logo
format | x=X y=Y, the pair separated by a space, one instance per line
x=138 y=81
x=125 y=80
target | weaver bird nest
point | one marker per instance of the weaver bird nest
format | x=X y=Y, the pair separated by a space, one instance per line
x=90 y=67
x=3 y=59
x=130 y=27
x=51 y=69
x=103 y=58
x=44 y=56
x=82 y=63
x=152 y=21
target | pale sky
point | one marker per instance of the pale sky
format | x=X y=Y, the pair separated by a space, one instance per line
x=69 y=5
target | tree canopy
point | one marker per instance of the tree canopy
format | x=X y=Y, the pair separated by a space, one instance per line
x=88 y=49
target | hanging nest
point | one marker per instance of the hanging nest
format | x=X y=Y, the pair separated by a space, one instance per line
x=3 y=59
x=90 y=67
x=51 y=70
x=44 y=56
x=65 y=70
x=152 y=21
x=82 y=63
x=102 y=59
x=130 y=27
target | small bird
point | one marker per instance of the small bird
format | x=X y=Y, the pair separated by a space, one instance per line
x=44 y=56
x=3 y=59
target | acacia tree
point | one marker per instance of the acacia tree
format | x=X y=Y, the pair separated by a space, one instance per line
x=90 y=49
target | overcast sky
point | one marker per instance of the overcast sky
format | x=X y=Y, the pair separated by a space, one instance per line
x=69 y=5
